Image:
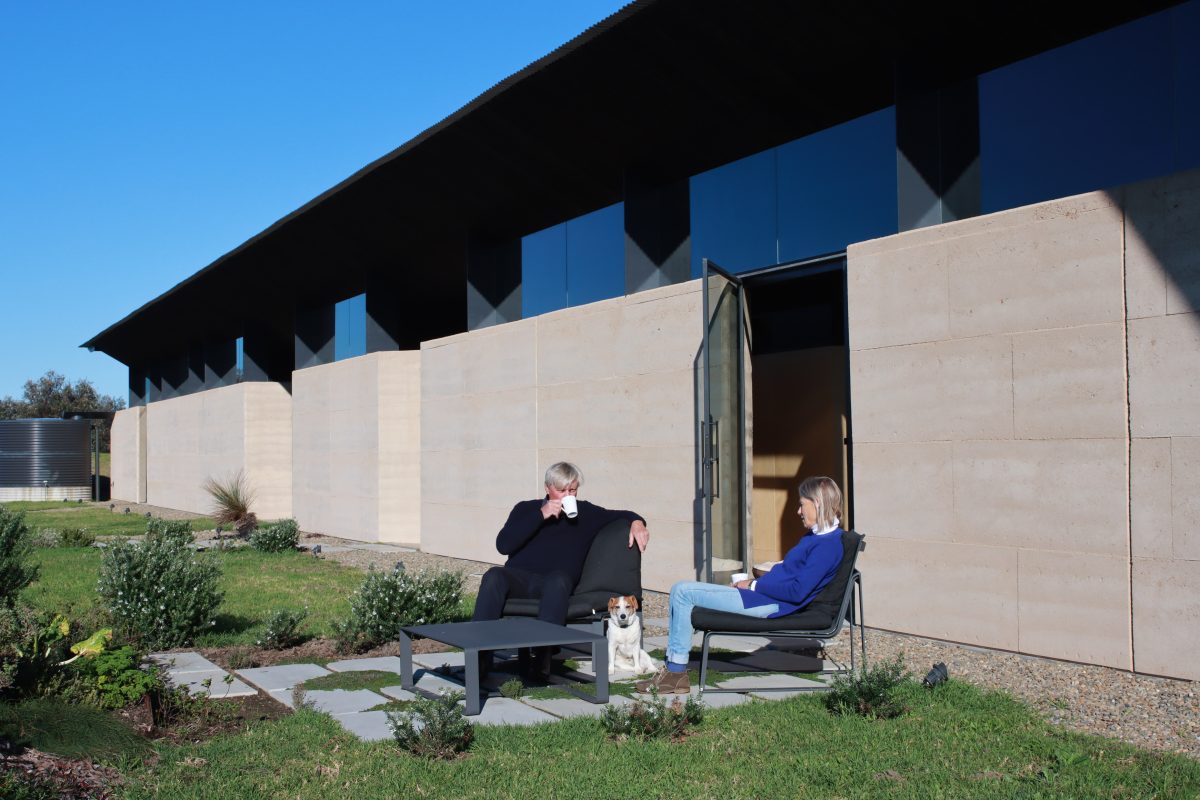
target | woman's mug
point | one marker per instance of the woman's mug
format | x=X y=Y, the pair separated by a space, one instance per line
x=738 y=577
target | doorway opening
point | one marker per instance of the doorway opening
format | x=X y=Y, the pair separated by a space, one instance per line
x=798 y=414
x=775 y=405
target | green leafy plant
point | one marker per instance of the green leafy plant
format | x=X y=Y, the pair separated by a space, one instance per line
x=232 y=499
x=280 y=537
x=114 y=679
x=174 y=530
x=513 y=688
x=159 y=592
x=869 y=692
x=283 y=629
x=31 y=647
x=432 y=728
x=16 y=572
x=388 y=600
x=654 y=718
x=76 y=537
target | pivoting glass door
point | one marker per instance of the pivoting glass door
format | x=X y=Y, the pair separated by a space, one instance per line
x=723 y=424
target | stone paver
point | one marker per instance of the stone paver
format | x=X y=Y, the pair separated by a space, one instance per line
x=370 y=726
x=568 y=707
x=333 y=701
x=284 y=676
x=750 y=683
x=505 y=711
x=398 y=693
x=192 y=670
x=182 y=662
x=381 y=664
x=779 y=661
x=217 y=688
x=435 y=660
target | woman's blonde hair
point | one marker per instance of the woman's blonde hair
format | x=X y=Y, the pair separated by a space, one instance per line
x=826 y=496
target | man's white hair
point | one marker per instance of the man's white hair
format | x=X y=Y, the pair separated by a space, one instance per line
x=562 y=475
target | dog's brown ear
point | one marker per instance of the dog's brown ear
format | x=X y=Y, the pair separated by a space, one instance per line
x=632 y=602
x=612 y=602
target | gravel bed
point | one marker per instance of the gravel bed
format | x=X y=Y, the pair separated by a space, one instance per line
x=1155 y=713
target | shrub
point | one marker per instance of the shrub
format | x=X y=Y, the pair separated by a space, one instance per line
x=277 y=538
x=283 y=629
x=513 y=689
x=387 y=600
x=869 y=692
x=432 y=728
x=652 y=719
x=76 y=537
x=15 y=548
x=159 y=592
x=114 y=679
x=232 y=499
x=174 y=530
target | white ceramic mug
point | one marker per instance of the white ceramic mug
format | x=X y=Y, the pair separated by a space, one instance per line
x=737 y=577
x=570 y=506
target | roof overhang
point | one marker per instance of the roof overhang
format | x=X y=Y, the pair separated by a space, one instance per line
x=666 y=87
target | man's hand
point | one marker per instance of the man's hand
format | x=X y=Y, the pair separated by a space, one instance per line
x=551 y=508
x=639 y=534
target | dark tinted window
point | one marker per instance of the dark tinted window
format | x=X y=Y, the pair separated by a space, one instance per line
x=733 y=213
x=350 y=327
x=838 y=186
x=596 y=256
x=1092 y=114
x=544 y=271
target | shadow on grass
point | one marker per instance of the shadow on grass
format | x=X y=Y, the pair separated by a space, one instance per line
x=232 y=623
x=68 y=730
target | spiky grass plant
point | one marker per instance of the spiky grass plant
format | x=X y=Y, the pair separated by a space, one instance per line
x=232 y=499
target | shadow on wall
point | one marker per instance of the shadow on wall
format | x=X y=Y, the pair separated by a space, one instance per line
x=1163 y=245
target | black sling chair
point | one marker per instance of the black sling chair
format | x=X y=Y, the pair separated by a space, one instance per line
x=840 y=601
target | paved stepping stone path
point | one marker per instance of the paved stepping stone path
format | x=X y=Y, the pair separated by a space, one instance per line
x=440 y=672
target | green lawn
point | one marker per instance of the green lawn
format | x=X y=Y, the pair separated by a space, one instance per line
x=959 y=742
x=255 y=584
x=57 y=515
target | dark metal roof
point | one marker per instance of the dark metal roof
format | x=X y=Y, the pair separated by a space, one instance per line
x=673 y=87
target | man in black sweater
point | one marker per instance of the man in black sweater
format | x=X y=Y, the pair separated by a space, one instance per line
x=546 y=548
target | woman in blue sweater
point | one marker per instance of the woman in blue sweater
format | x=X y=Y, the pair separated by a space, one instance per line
x=789 y=586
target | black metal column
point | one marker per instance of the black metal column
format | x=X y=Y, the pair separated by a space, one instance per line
x=937 y=147
x=314 y=336
x=493 y=283
x=658 y=241
x=220 y=363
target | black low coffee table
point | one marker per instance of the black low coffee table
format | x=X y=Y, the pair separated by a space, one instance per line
x=502 y=634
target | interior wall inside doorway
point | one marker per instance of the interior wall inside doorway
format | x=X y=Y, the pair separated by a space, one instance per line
x=799 y=425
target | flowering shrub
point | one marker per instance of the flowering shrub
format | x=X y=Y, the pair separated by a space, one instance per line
x=176 y=530
x=387 y=600
x=283 y=629
x=277 y=538
x=158 y=591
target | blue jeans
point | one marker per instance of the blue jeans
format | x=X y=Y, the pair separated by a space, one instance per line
x=687 y=595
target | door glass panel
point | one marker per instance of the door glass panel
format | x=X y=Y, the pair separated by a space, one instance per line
x=724 y=431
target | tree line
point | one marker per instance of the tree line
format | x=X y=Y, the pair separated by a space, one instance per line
x=53 y=394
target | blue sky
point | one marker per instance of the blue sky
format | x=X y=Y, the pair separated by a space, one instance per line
x=141 y=141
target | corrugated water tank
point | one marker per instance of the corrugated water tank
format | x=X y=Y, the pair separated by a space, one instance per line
x=45 y=459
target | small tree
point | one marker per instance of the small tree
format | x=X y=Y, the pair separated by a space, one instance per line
x=15 y=548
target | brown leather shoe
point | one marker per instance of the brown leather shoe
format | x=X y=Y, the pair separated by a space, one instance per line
x=666 y=682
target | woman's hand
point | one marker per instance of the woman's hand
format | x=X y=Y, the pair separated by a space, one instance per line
x=742 y=585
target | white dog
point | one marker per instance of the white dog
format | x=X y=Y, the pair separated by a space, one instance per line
x=625 y=651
